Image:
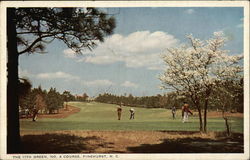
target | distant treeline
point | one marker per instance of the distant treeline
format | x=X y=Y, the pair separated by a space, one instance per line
x=170 y=99
x=159 y=101
x=46 y=101
x=51 y=101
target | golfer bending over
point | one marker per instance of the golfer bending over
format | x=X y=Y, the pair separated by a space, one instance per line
x=132 y=113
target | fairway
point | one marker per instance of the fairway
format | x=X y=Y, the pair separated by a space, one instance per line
x=103 y=117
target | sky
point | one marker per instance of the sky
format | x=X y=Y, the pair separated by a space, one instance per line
x=129 y=61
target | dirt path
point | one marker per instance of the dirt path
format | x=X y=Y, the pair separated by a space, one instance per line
x=214 y=114
x=63 y=113
x=129 y=142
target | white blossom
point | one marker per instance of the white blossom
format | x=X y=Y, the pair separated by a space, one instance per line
x=199 y=65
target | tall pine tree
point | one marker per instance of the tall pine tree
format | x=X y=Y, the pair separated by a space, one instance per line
x=30 y=29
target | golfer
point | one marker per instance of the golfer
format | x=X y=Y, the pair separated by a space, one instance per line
x=119 y=111
x=132 y=113
x=185 y=111
x=173 y=111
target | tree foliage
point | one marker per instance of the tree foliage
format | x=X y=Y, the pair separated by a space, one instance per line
x=24 y=92
x=82 y=98
x=194 y=70
x=228 y=96
x=130 y=100
x=44 y=101
x=77 y=28
x=30 y=29
x=54 y=100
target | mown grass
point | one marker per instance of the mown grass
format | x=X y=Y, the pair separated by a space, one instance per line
x=99 y=116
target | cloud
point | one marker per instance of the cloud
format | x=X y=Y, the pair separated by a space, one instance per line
x=69 y=53
x=66 y=77
x=138 y=49
x=129 y=84
x=103 y=82
x=57 y=75
x=239 y=25
x=25 y=73
x=190 y=11
x=48 y=75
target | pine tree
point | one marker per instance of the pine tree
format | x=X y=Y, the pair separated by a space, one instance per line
x=30 y=29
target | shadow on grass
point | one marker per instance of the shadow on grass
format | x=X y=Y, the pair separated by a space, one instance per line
x=57 y=143
x=65 y=143
x=233 y=144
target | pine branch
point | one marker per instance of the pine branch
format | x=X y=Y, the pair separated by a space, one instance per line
x=33 y=44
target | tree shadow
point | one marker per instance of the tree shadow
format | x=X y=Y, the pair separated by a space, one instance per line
x=65 y=143
x=233 y=144
x=58 y=143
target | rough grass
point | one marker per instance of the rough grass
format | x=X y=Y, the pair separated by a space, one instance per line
x=129 y=142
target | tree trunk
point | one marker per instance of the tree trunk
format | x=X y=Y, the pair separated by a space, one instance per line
x=205 y=115
x=226 y=122
x=13 y=135
x=205 y=109
x=66 y=105
x=200 y=117
x=227 y=126
x=197 y=105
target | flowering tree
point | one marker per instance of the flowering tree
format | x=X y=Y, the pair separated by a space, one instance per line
x=195 y=69
x=226 y=95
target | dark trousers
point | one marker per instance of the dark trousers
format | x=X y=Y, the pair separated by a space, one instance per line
x=173 y=113
x=119 y=115
x=132 y=116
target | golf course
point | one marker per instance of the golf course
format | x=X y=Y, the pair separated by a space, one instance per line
x=94 y=128
x=103 y=117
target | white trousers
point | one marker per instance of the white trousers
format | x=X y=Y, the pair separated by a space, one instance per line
x=185 y=117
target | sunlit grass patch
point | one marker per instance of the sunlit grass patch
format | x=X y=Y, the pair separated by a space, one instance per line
x=103 y=117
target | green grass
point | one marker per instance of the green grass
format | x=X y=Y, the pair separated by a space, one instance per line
x=99 y=116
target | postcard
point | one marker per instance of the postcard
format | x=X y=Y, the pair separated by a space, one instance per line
x=111 y=80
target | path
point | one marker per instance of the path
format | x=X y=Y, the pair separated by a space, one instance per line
x=63 y=113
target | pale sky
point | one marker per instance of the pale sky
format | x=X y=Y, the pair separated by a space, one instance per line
x=129 y=60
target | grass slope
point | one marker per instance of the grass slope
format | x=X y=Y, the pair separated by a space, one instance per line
x=99 y=116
